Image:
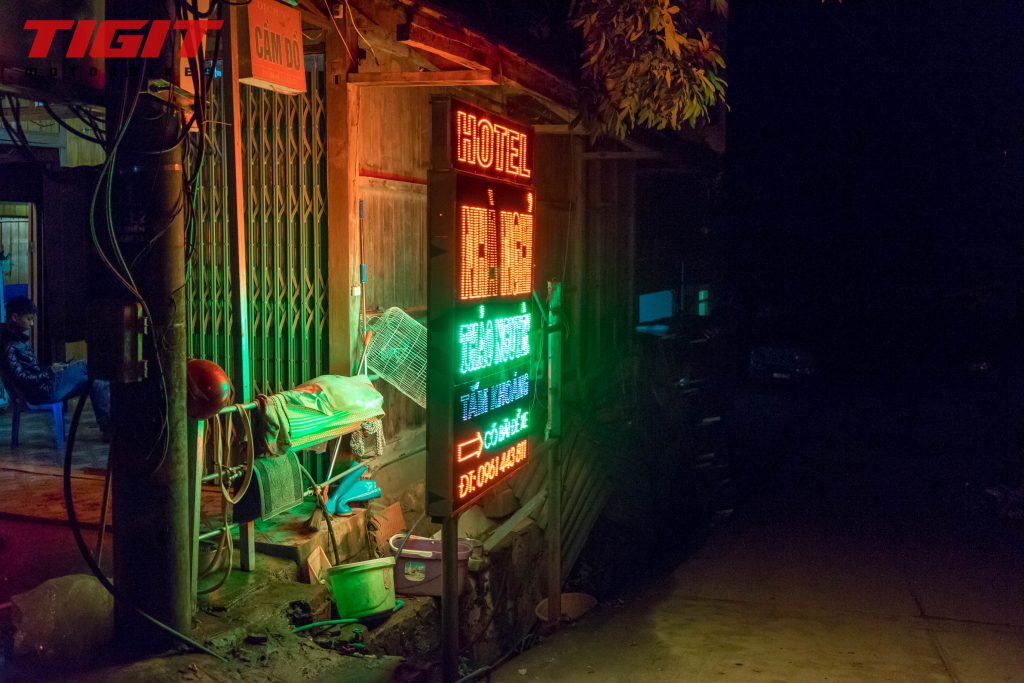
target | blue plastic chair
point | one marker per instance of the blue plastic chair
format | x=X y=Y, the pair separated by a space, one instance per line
x=18 y=405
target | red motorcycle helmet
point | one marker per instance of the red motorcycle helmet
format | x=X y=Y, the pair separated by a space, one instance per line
x=208 y=388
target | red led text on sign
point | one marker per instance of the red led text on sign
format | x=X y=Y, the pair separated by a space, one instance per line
x=516 y=252
x=479 y=236
x=487 y=145
x=118 y=38
x=512 y=458
x=485 y=270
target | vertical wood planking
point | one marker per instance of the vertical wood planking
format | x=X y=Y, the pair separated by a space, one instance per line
x=394 y=138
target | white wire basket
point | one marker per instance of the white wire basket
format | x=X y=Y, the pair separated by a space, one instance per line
x=398 y=353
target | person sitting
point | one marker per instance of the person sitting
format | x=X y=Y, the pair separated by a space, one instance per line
x=46 y=385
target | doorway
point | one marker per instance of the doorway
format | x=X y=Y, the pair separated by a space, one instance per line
x=18 y=265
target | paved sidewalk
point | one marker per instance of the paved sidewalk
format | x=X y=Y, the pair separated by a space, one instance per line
x=803 y=598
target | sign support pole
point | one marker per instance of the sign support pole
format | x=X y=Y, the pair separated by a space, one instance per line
x=480 y=209
x=450 y=599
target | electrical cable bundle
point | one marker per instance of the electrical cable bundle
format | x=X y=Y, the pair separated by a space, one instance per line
x=95 y=138
x=76 y=530
x=16 y=132
x=195 y=150
x=110 y=134
x=118 y=266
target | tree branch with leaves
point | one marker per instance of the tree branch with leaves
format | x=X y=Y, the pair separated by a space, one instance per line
x=648 y=63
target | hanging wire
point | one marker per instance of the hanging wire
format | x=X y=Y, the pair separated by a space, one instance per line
x=348 y=51
x=123 y=273
x=351 y=18
x=71 y=129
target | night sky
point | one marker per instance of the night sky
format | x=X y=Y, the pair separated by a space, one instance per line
x=873 y=187
x=875 y=154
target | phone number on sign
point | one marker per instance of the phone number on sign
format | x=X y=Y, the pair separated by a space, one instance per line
x=485 y=473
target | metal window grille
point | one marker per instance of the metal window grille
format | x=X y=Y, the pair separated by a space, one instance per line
x=286 y=212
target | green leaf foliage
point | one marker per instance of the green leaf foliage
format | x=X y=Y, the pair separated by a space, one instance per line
x=647 y=63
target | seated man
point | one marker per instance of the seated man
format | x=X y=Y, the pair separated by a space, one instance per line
x=45 y=385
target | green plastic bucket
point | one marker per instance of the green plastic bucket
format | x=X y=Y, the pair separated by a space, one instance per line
x=364 y=588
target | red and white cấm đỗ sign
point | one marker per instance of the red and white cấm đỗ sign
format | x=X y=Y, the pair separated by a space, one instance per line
x=270 y=47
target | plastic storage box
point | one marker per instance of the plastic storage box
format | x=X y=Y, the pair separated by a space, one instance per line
x=418 y=569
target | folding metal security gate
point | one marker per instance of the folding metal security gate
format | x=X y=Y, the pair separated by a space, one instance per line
x=212 y=324
x=284 y=146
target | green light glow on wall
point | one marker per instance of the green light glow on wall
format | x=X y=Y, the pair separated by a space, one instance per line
x=703 y=297
x=489 y=343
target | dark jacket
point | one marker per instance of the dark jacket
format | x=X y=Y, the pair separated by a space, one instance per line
x=20 y=366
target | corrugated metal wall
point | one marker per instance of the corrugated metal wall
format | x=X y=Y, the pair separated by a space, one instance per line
x=584 y=238
x=606 y=277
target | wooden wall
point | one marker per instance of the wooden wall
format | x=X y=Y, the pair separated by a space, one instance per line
x=584 y=231
x=392 y=162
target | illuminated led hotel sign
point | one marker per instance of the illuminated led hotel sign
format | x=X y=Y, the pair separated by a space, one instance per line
x=481 y=331
x=487 y=145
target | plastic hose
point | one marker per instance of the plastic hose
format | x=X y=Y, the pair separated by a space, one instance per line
x=222 y=442
x=225 y=543
x=329 y=622
x=399 y=603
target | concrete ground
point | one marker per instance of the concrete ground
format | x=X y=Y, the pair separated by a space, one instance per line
x=840 y=564
x=249 y=620
x=795 y=599
x=33 y=550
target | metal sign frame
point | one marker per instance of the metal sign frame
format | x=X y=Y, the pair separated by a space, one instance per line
x=488 y=167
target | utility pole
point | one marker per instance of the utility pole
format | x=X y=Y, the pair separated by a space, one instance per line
x=148 y=452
